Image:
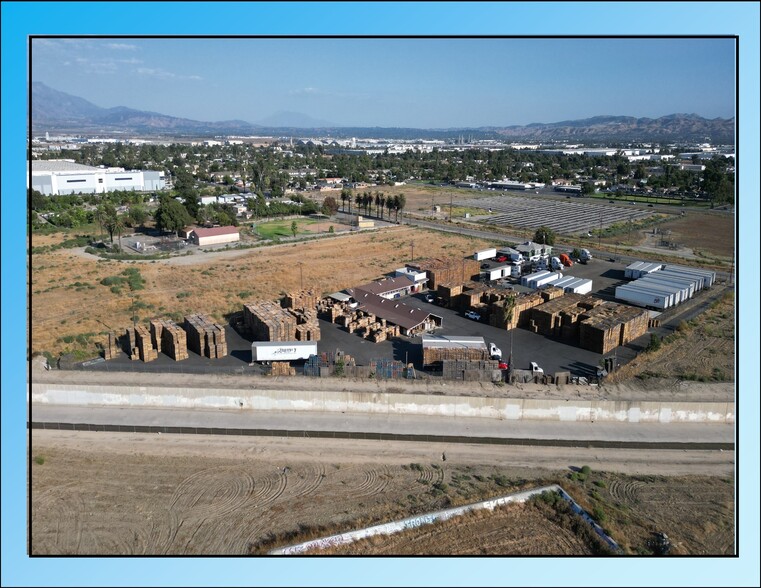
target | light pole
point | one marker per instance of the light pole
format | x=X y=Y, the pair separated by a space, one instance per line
x=301 y=272
x=412 y=252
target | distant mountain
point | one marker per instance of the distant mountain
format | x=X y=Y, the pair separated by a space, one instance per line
x=58 y=110
x=295 y=120
x=674 y=127
x=54 y=110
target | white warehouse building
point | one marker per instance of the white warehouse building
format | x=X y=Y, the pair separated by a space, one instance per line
x=64 y=176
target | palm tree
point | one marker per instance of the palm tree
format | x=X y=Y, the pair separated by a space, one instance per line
x=344 y=196
x=100 y=216
x=389 y=206
x=118 y=228
x=358 y=200
x=377 y=202
x=382 y=204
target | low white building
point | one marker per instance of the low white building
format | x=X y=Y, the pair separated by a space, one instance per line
x=64 y=176
x=214 y=236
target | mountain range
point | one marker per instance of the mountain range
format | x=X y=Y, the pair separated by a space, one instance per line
x=53 y=110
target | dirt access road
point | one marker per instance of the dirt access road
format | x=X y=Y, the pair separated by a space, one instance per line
x=104 y=493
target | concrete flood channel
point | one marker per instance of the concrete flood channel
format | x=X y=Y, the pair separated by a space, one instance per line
x=443 y=515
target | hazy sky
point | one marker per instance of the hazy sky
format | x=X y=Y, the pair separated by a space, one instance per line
x=428 y=83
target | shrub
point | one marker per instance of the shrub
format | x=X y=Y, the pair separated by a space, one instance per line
x=586 y=470
x=600 y=483
x=655 y=343
x=39 y=460
x=598 y=514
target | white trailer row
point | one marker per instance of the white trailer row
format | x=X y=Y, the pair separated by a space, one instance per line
x=641 y=268
x=569 y=284
x=665 y=287
x=540 y=279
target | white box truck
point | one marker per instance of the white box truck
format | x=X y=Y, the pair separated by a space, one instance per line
x=282 y=350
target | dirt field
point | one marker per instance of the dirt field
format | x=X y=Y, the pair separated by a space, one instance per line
x=709 y=236
x=702 y=349
x=68 y=299
x=104 y=493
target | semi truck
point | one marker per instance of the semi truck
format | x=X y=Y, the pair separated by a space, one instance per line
x=282 y=350
x=565 y=260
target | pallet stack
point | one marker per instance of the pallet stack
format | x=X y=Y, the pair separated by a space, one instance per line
x=268 y=321
x=307 y=326
x=305 y=299
x=471 y=371
x=205 y=337
x=434 y=355
x=130 y=344
x=145 y=348
x=110 y=346
x=282 y=368
x=169 y=338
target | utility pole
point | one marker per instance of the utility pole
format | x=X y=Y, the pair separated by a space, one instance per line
x=134 y=319
x=412 y=252
x=451 y=198
x=301 y=272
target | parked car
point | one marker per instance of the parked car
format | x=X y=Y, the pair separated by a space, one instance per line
x=429 y=298
x=473 y=315
x=484 y=265
x=501 y=258
x=535 y=369
x=503 y=365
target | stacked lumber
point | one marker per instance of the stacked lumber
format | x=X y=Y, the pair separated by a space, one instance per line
x=205 y=337
x=305 y=299
x=434 y=355
x=146 y=350
x=551 y=292
x=169 y=338
x=282 y=368
x=447 y=271
x=608 y=325
x=110 y=345
x=469 y=370
x=268 y=321
x=307 y=325
x=130 y=344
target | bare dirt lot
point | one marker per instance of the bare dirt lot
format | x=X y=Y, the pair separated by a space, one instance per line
x=708 y=236
x=104 y=493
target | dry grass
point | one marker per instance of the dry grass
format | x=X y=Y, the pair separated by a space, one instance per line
x=702 y=349
x=214 y=286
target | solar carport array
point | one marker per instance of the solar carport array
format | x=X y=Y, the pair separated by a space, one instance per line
x=562 y=216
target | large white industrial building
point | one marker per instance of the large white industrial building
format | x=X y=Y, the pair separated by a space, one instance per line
x=64 y=176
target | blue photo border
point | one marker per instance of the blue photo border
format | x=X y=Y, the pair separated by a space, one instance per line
x=20 y=19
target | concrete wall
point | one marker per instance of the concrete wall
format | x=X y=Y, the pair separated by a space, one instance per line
x=439 y=516
x=388 y=403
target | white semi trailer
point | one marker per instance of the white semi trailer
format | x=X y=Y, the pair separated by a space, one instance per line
x=282 y=350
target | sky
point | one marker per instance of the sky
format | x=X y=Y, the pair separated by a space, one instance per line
x=423 y=83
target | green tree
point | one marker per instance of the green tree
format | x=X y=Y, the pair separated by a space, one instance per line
x=137 y=215
x=345 y=195
x=401 y=202
x=544 y=235
x=587 y=188
x=171 y=215
x=329 y=206
x=294 y=228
